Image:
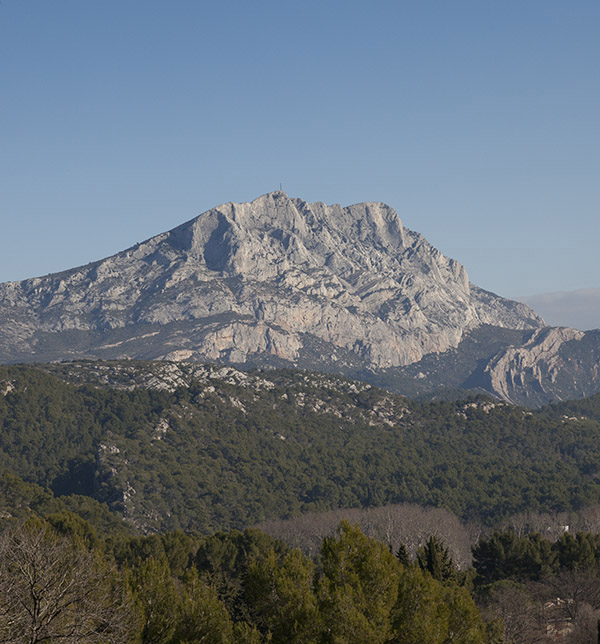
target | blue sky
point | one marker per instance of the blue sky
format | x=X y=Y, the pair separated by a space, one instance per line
x=477 y=121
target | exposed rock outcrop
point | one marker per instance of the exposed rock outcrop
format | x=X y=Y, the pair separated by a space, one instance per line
x=538 y=359
x=556 y=363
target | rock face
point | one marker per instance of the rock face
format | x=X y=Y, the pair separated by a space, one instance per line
x=536 y=359
x=275 y=281
x=555 y=363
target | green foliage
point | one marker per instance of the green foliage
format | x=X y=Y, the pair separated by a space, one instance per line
x=578 y=552
x=435 y=559
x=280 y=598
x=134 y=550
x=505 y=555
x=427 y=612
x=221 y=456
x=180 y=550
x=358 y=593
x=402 y=555
x=174 y=610
x=464 y=623
x=358 y=587
x=76 y=528
x=157 y=599
x=201 y=616
x=224 y=560
x=20 y=500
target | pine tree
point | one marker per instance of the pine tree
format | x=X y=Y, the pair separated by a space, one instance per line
x=435 y=559
x=201 y=616
x=281 y=599
x=357 y=589
x=402 y=555
x=429 y=612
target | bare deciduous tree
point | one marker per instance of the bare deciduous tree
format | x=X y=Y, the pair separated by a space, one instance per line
x=521 y=614
x=585 y=627
x=404 y=523
x=575 y=588
x=52 y=589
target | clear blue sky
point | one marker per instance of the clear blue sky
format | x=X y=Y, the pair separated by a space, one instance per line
x=478 y=121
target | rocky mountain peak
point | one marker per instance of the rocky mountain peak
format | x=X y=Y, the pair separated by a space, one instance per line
x=275 y=233
x=276 y=280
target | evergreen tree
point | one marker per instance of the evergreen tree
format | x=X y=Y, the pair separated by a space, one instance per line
x=435 y=559
x=538 y=558
x=420 y=615
x=157 y=599
x=223 y=560
x=428 y=612
x=576 y=552
x=498 y=557
x=357 y=589
x=402 y=555
x=201 y=616
x=281 y=600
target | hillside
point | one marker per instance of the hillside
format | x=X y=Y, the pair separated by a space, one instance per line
x=199 y=447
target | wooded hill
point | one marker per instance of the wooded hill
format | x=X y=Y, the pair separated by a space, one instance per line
x=205 y=448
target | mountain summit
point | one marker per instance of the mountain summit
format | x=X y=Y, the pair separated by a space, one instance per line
x=276 y=281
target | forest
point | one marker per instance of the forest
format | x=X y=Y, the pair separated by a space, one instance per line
x=220 y=454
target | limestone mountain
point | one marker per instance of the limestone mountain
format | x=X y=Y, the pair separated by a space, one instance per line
x=275 y=282
x=275 y=278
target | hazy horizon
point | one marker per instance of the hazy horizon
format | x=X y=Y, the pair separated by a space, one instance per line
x=579 y=309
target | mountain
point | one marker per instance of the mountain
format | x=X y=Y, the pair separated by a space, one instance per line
x=275 y=279
x=281 y=282
x=579 y=309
